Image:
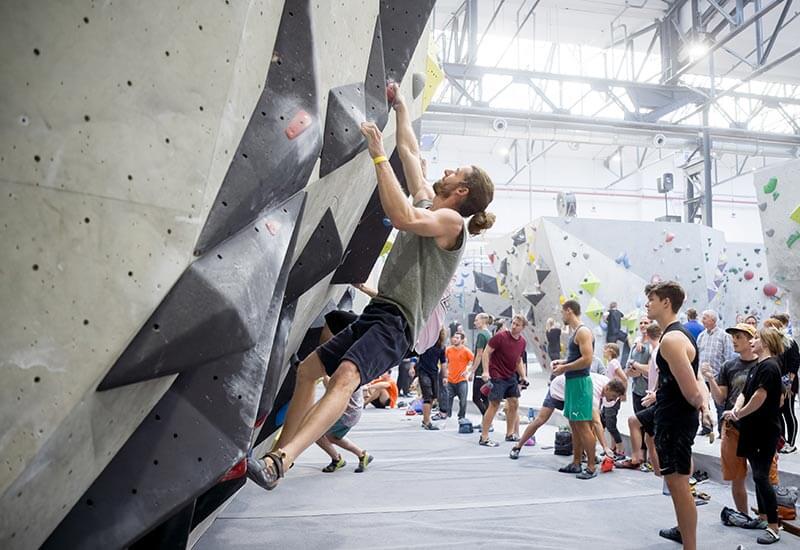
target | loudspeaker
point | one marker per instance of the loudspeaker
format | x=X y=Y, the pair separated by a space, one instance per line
x=665 y=183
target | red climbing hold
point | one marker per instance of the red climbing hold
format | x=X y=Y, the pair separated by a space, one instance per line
x=391 y=91
x=300 y=121
x=748 y=275
x=669 y=237
x=238 y=470
x=770 y=290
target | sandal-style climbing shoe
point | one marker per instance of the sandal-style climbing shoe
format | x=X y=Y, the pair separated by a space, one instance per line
x=363 y=462
x=335 y=465
x=628 y=464
x=488 y=443
x=262 y=473
x=512 y=437
x=571 y=468
x=769 y=537
x=672 y=534
x=514 y=454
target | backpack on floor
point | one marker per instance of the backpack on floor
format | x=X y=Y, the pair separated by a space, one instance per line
x=465 y=426
x=563 y=443
x=733 y=518
x=786 y=496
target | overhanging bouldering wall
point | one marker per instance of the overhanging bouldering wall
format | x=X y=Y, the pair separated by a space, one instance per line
x=599 y=261
x=778 y=192
x=160 y=168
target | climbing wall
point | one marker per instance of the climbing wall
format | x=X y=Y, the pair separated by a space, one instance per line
x=599 y=261
x=778 y=192
x=180 y=182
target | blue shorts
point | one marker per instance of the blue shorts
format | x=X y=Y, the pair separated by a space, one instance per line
x=503 y=388
x=375 y=342
x=552 y=403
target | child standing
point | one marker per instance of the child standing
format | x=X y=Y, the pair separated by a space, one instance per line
x=610 y=408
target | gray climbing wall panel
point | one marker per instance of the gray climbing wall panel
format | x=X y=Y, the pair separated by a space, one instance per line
x=159 y=135
x=599 y=261
x=778 y=192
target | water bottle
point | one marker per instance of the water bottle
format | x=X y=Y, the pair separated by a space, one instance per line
x=531 y=413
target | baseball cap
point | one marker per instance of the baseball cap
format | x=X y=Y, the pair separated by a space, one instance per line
x=742 y=327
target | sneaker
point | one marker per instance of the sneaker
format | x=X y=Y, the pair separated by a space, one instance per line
x=571 y=468
x=672 y=534
x=363 y=462
x=514 y=454
x=430 y=426
x=705 y=431
x=769 y=537
x=787 y=449
x=439 y=416
x=488 y=443
x=531 y=442
x=337 y=464
x=587 y=474
x=646 y=467
x=513 y=438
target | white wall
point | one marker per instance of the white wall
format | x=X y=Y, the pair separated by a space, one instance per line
x=533 y=194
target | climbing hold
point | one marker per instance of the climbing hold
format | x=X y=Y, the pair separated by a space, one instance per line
x=770 y=186
x=300 y=121
x=769 y=232
x=655 y=279
x=793 y=238
x=762 y=206
x=594 y=310
x=562 y=299
x=770 y=290
x=417 y=84
x=391 y=90
x=669 y=237
x=795 y=215
x=590 y=283
x=748 y=275
x=387 y=222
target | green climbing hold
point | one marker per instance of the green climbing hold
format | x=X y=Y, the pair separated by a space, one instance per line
x=793 y=238
x=795 y=216
x=775 y=196
x=770 y=186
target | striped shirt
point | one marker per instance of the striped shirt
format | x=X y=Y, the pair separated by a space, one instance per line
x=715 y=348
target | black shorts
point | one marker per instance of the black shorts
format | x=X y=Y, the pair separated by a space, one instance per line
x=647 y=418
x=378 y=404
x=674 y=448
x=503 y=388
x=338 y=320
x=375 y=342
x=429 y=384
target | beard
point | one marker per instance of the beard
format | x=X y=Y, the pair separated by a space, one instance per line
x=440 y=190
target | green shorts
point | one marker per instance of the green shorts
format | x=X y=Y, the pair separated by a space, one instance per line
x=339 y=430
x=578 y=395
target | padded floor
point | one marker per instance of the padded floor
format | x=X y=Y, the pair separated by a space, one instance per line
x=441 y=490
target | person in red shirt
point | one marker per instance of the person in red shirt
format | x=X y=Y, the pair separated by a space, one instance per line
x=459 y=359
x=506 y=372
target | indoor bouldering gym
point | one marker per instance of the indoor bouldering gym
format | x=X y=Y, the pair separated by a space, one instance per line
x=254 y=251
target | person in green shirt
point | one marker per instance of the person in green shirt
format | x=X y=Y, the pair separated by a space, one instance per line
x=482 y=322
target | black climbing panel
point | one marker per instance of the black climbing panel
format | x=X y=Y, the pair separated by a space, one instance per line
x=534 y=297
x=201 y=427
x=283 y=137
x=320 y=257
x=485 y=283
x=402 y=24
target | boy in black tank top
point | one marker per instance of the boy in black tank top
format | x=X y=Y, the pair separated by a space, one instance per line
x=678 y=400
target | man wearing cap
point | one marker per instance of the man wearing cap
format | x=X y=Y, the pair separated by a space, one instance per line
x=725 y=389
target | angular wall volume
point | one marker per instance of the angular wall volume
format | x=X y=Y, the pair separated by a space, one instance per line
x=153 y=160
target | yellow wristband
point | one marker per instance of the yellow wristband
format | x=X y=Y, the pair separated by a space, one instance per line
x=380 y=159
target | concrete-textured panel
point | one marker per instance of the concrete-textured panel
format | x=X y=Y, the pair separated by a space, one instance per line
x=599 y=261
x=105 y=156
x=118 y=131
x=778 y=192
x=203 y=425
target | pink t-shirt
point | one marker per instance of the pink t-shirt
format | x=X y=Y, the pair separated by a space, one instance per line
x=652 y=371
